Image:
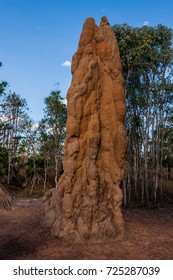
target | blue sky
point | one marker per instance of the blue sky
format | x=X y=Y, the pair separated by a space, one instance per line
x=38 y=36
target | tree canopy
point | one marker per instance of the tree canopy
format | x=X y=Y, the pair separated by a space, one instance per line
x=147 y=56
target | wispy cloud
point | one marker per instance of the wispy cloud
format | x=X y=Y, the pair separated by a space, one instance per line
x=67 y=63
x=146 y=23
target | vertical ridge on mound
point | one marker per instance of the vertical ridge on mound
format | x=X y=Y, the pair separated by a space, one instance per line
x=87 y=201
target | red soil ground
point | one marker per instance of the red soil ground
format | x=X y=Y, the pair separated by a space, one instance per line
x=149 y=235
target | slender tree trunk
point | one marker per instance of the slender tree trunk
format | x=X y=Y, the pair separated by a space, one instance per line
x=56 y=170
x=45 y=175
x=34 y=177
x=157 y=158
x=9 y=168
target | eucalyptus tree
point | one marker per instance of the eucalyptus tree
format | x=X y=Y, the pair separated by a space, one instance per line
x=146 y=55
x=52 y=133
x=14 y=112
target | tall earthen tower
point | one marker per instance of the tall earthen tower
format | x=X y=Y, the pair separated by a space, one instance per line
x=87 y=201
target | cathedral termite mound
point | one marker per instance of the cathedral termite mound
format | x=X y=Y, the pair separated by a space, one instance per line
x=87 y=201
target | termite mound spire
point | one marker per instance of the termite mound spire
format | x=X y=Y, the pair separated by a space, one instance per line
x=87 y=201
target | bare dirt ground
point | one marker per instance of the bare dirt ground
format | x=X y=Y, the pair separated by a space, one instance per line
x=149 y=235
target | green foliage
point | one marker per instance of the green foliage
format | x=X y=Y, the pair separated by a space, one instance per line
x=14 y=117
x=3 y=161
x=147 y=63
x=52 y=133
x=147 y=56
x=168 y=147
x=39 y=164
x=52 y=126
x=3 y=86
x=14 y=121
